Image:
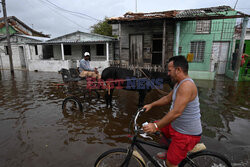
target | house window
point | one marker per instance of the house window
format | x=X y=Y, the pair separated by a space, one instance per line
x=100 y=49
x=36 y=50
x=6 y=50
x=198 y=49
x=67 y=49
x=203 y=26
x=157 y=49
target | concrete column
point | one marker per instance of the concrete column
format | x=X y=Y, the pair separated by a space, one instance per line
x=164 y=44
x=177 y=39
x=62 y=51
x=120 y=45
x=107 y=51
x=242 y=40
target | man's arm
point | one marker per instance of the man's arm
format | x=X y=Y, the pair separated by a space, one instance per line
x=184 y=95
x=161 y=102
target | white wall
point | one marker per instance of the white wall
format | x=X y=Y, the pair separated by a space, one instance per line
x=29 y=52
x=4 y=59
x=247 y=37
x=75 y=51
x=50 y=65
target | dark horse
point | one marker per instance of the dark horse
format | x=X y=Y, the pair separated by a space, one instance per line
x=129 y=81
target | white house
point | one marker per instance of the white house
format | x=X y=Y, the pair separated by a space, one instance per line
x=66 y=51
x=20 y=35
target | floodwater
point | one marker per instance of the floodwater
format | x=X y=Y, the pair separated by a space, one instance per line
x=35 y=132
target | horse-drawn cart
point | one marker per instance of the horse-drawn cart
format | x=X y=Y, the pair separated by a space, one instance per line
x=81 y=90
x=77 y=91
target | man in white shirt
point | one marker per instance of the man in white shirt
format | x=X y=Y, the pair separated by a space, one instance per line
x=86 y=70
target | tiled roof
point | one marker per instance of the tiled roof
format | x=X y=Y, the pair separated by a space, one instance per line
x=21 y=27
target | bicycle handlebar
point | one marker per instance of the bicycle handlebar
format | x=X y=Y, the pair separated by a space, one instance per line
x=139 y=112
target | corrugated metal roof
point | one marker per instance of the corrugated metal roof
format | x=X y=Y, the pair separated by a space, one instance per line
x=212 y=12
x=70 y=42
x=42 y=39
x=79 y=36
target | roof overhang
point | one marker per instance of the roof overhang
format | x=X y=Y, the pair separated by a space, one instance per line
x=70 y=42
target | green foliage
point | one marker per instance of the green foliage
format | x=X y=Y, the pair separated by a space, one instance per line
x=102 y=28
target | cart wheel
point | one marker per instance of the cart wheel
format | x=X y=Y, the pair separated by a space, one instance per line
x=71 y=105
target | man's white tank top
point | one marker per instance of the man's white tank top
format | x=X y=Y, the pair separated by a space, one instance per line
x=189 y=122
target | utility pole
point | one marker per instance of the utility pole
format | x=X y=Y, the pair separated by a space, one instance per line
x=8 y=36
x=235 y=4
x=135 y=6
x=242 y=40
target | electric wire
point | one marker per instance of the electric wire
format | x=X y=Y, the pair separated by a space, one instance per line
x=72 y=12
x=63 y=15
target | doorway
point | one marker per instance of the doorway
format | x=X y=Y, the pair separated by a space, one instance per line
x=135 y=50
x=22 y=58
x=219 y=57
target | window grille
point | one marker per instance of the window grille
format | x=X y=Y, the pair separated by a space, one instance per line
x=198 y=49
x=203 y=26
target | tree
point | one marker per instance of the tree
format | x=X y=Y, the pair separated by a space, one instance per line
x=102 y=28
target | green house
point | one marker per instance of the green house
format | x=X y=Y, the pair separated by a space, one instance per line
x=209 y=42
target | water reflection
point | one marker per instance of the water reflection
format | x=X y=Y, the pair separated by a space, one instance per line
x=35 y=132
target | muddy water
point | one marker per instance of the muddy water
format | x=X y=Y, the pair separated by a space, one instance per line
x=35 y=132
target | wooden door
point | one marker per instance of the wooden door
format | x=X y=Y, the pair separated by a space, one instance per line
x=135 y=50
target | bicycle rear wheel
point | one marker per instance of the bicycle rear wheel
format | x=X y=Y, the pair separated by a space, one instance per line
x=115 y=157
x=205 y=159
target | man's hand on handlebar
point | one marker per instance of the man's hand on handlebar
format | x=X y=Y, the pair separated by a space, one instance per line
x=147 y=107
x=149 y=128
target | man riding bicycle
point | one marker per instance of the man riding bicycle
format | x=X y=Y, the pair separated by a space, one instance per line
x=182 y=123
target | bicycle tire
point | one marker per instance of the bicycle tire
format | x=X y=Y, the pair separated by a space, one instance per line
x=71 y=104
x=114 y=158
x=205 y=158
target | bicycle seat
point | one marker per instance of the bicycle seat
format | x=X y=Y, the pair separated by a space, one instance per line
x=198 y=147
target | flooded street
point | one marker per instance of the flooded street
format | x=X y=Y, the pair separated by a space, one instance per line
x=35 y=132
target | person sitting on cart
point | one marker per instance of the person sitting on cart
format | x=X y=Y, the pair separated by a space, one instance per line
x=85 y=69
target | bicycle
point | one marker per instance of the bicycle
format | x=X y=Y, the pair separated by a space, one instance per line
x=198 y=157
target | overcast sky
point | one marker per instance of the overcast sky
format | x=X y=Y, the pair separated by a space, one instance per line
x=51 y=16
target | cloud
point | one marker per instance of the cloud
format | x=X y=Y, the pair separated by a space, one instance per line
x=42 y=16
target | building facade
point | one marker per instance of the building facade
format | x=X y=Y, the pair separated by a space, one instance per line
x=205 y=36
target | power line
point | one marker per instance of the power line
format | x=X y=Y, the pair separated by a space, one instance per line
x=63 y=16
x=60 y=8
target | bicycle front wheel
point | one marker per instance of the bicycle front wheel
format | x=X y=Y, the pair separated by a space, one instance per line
x=205 y=159
x=115 y=157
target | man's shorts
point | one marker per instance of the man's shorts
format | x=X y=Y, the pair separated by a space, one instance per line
x=180 y=144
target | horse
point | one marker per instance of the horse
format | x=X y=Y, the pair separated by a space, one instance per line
x=140 y=80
